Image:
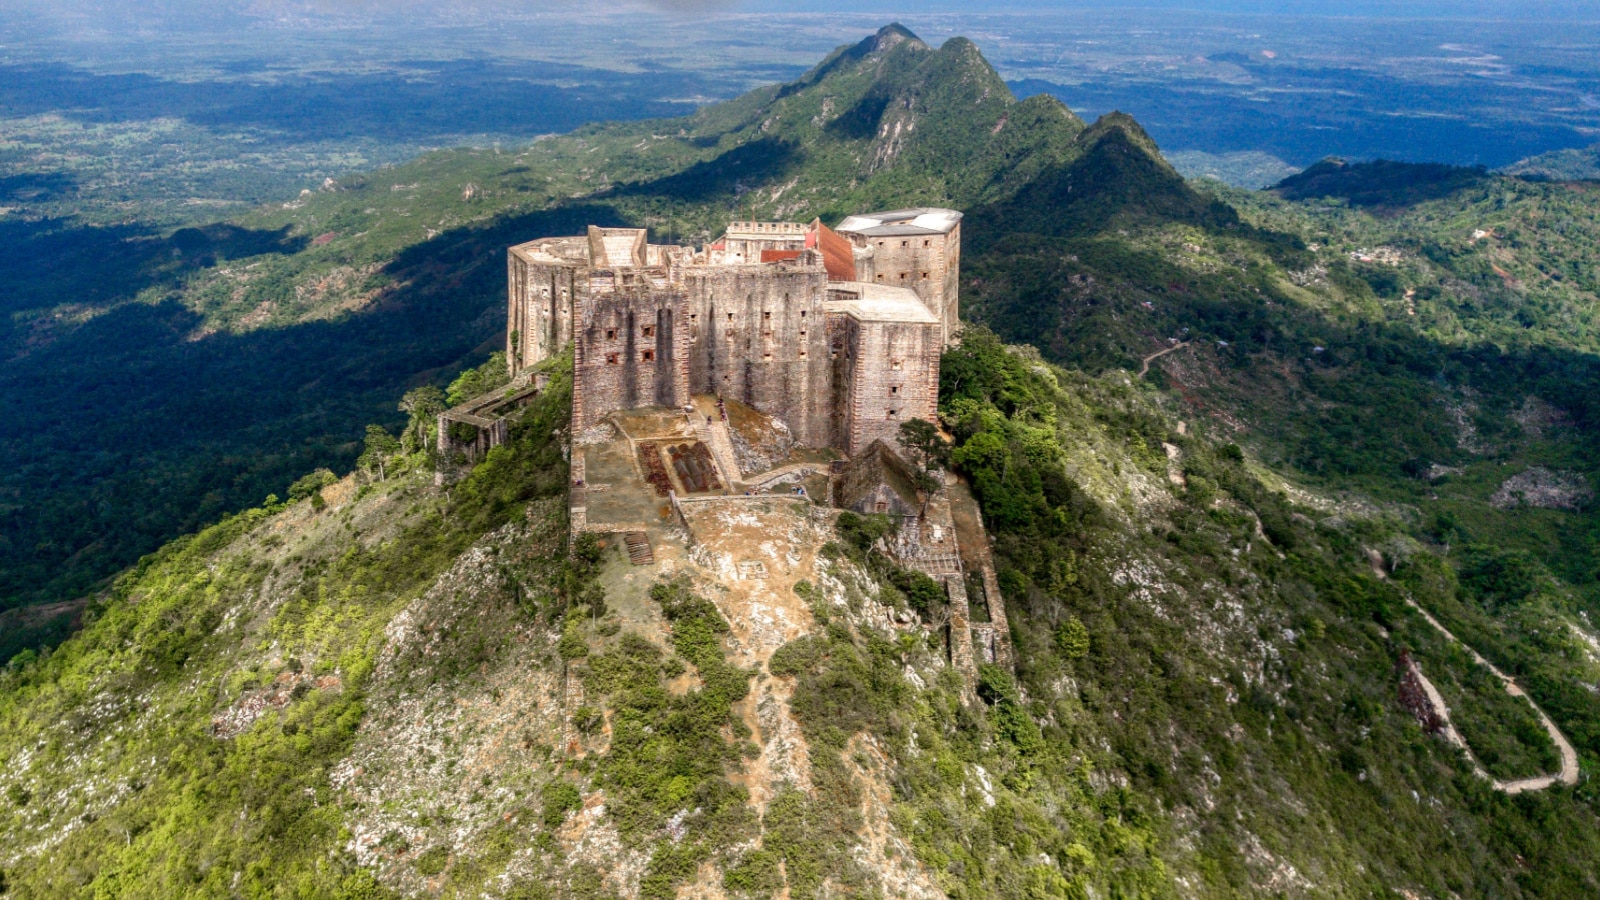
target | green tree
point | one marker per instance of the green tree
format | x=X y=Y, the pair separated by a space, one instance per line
x=928 y=449
x=380 y=445
x=423 y=405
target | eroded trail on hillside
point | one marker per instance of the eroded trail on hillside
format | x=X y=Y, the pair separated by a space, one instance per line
x=1566 y=775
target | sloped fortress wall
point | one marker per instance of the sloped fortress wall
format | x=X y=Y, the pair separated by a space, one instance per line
x=542 y=279
x=885 y=352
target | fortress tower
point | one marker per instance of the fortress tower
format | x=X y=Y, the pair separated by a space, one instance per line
x=918 y=249
x=838 y=334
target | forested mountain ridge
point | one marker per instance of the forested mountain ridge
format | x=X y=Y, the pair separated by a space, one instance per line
x=352 y=693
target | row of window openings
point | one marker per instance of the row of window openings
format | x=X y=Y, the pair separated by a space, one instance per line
x=615 y=359
x=926 y=243
x=904 y=276
x=650 y=330
x=646 y=331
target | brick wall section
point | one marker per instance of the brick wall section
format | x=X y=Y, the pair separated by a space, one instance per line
x=927 y=264
x=758 y=334
x=630 y=348
x=893 y=378
x=748 y=239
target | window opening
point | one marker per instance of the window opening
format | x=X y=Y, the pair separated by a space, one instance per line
x=649 y=355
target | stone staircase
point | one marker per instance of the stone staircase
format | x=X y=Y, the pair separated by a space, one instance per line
x=715 y=436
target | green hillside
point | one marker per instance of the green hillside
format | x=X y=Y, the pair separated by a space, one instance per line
x=1559 y=165
x=1381 y=387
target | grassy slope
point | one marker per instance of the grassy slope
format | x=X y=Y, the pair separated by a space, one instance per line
x=1358 y=377
x=1240 y=653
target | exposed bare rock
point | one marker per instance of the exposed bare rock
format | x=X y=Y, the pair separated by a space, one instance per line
x=1543 y=488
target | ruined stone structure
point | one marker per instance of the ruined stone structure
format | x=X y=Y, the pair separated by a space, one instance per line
x=711 y=385
x=837 y=334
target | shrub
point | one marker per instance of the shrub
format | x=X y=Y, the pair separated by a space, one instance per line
x=560 y=798
x=432 y=861
x=311 y=485
x=1072 y=639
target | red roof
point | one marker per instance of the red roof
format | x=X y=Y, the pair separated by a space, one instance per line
x=837 y=254
x=772 y=256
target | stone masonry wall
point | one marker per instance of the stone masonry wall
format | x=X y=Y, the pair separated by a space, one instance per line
x=539 y=323
x=758 y=334
x=893 y=377
x=928 y=264
x=630 y=350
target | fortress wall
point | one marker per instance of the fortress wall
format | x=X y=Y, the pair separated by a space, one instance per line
x=842 y=340
x=758 y=335
x=540 y=316
x=893 y=378
x=630 y=350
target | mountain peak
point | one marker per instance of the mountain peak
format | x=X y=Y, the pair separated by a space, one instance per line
x=892 y=35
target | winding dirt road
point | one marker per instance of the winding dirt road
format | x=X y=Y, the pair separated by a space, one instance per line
x=1144 y=368
x=1567 y=775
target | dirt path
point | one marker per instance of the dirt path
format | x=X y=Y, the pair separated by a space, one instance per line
x=1144 y=367
x=1568 y=773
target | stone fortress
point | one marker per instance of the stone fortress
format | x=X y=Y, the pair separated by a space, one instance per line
x=834 y=332
x=729 y=401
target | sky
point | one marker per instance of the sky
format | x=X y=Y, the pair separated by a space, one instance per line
x=176 y=13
